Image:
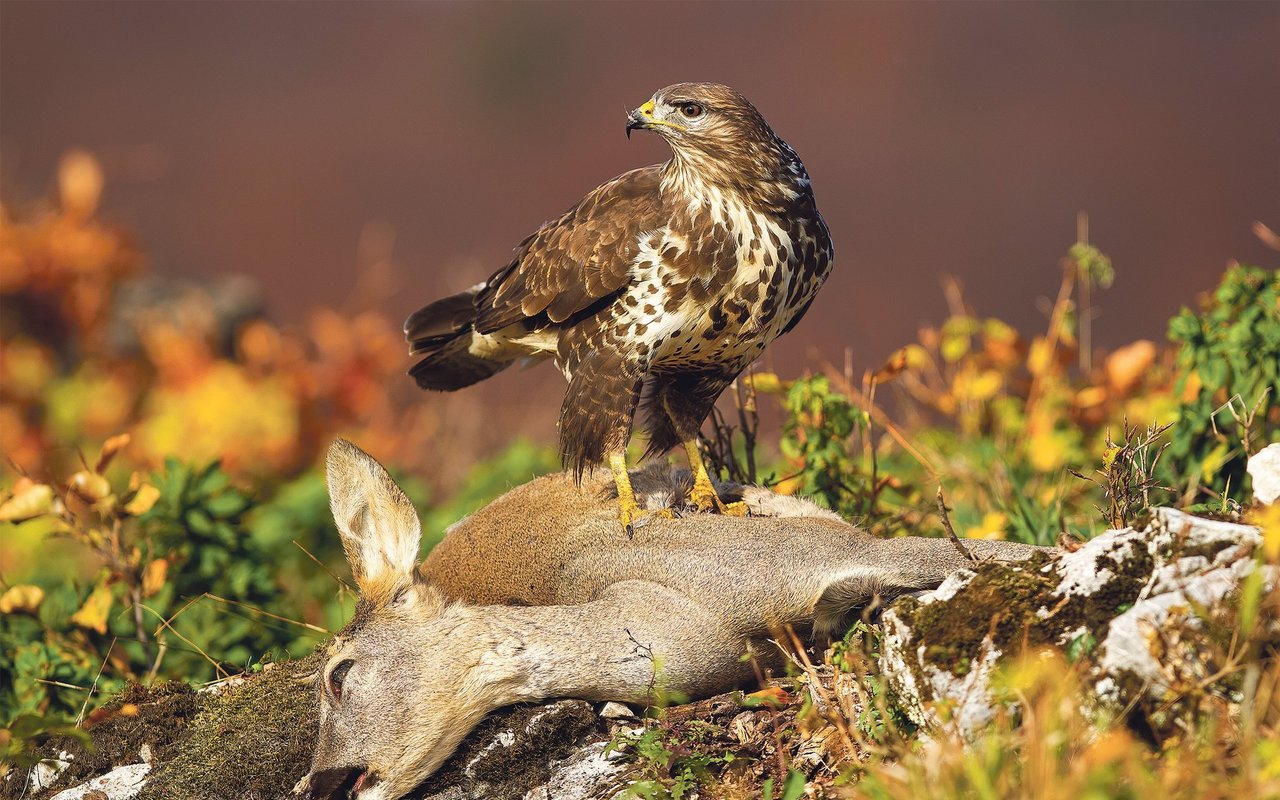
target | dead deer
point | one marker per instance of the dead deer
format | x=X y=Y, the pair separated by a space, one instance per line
x=540 y=595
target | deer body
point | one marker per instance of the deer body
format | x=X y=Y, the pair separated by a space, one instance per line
x=541 y=595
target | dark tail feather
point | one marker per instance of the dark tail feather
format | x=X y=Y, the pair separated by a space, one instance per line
x=452 y=366
x=442 y=332
x=441 y=321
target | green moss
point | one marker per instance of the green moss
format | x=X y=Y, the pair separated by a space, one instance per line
x=542 y=735
x=1004 y=600
x=158 y=717
x=999 y=601
x=251 y=741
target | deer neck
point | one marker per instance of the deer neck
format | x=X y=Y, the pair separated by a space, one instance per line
x=533 y=653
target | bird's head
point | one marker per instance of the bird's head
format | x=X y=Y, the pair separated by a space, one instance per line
x=709 y=126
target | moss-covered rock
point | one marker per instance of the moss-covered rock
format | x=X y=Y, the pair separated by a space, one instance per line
x=1099 y=603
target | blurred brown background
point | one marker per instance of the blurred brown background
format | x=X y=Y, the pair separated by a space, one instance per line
x=349 y=154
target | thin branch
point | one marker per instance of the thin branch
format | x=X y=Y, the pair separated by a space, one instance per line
x=951 y=532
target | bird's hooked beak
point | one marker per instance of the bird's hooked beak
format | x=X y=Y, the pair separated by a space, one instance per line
x=640 y=117
x=644 y=119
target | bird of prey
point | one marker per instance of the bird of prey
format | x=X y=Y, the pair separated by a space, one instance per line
x=658 y=288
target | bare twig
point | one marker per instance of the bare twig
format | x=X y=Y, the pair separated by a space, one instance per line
x=951 y=532
x=84 y=707
x=256 y=610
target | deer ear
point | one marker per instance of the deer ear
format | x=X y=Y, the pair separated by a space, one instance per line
x=379 y=526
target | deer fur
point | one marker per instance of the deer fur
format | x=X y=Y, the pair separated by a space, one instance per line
x=541 y=595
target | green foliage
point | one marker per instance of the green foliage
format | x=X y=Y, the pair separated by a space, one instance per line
x=672 y=766
x=19 y=741
x=817 y=434
x=858 y=654
x=793 y=789
x=1128 y=473
x=1093 y=266
x=1228 y=371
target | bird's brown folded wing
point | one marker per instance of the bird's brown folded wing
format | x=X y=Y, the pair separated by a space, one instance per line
x=573 y=262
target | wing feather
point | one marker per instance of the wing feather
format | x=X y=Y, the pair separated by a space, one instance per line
x=571 y=263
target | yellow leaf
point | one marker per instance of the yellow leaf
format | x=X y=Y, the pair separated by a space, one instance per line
x=110 y=448
x=143 y=500
x=1040 y=357
x=1047 y=450
x=29 y=500
x=1268 y=519
x=89 y=487
x=985 y=385
x=1091 y=397
x=93 y=614
x=153 y=578
x=765 y=382
x=1213 y=462
x=129 y=710
x=992 y=527
x=23 y=599
x=955 y=346
x=917 y=356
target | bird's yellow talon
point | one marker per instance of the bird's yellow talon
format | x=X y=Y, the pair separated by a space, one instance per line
x=703 y=495
x=629 y=511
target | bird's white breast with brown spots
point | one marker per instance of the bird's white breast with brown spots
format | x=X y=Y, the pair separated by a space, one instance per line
x=743 y=292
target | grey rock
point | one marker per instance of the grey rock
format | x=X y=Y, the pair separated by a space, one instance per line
x=1264 y=469
x=121 y=783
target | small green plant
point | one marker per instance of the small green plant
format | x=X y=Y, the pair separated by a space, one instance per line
x=793 y=789
x=672 y=766
x=1228 y=371
x=1128 y=473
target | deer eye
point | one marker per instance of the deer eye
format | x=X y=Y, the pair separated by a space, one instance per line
x=337 y=675
x=691 y=110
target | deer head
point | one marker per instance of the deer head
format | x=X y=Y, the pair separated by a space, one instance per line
x=395 y=697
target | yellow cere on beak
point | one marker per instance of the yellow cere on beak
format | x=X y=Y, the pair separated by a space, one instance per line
x=646 y=111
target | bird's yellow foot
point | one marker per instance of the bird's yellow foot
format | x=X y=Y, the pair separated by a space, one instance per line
x=703 y=495
x=631 y=515
x=629 y=511
x=704 y=498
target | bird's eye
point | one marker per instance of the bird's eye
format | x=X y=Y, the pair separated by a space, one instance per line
x=691 y=110
x=337 y=675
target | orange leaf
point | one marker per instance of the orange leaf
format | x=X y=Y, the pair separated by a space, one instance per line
x=889 y=370
x=1126 y=366
x=110 y=448
x=79 y=183
x=153 y=578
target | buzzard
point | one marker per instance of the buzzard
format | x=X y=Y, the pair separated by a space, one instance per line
x=659 y=287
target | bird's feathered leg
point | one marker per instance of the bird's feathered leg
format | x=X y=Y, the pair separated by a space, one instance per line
x=595 y=422
x=677 y=406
